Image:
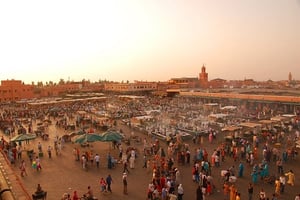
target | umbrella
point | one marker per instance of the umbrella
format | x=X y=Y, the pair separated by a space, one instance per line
x=110 y=136
x=23 y=137
x=88 y=137
x=76 y=133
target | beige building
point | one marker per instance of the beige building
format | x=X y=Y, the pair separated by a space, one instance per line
x=137 y=86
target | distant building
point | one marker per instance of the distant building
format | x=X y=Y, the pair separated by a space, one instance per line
x=185 y=82
x=15 y=90
x=59 y=89
x=290 y=77
x=217 y=83
x=203 y=78
x=235 y=84
x=249 y=83
x=87 y=86
x=137 y=86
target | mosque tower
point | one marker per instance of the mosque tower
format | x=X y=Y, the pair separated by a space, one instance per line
x=203 y=77
x=290 y=77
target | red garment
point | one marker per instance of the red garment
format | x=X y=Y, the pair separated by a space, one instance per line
x=102 y=182
x=162 y=181
x=75 y=196
x=208 y=189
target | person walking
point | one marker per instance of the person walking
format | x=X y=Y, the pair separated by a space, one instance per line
x=262 y=194
x=279 y=164
x=250 y=191
x=77 y=154
x=232 y=193
x=277 y=187
x=109 y=161
x=241 y=170
x=132 y=159
x=291 y=177
x=125 y=167
x=91 y=157
x=103 y=185
x=19 y=152
x=109 y=182
x=84 y=162
x=39 y=147
x=226 y=189
x=97 y=160
x=282 y=183
x=23 y=168
x=145 y=161
x=38 y=164
x=199 y=195
x=124 y=178
x=179 y=192
x=49 y=151
x=254 y=176
x=164 y=193
x=75 y=196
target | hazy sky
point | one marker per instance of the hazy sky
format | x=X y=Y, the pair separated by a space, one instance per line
x=149 y=40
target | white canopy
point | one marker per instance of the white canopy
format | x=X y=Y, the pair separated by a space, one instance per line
x=229 y=108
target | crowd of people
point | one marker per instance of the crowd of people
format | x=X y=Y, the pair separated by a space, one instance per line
x=164 y=162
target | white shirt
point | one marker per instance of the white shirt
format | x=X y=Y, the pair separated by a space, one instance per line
x=133 y=154
x=151 y=187
x=282 y=180
x=97 y=158
x=216 y=158
x=262 y=195
x=169 y=184
x=156 y=193
x=180 y=189
x=197 y=166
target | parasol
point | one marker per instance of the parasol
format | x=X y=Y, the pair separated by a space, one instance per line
x=23 y=137
x=87 y=138
x=110 y=136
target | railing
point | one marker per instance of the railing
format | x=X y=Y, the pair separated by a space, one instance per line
x=6 y=186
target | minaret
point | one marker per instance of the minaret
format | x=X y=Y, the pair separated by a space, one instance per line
x=290 y=77
x=203 y=77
